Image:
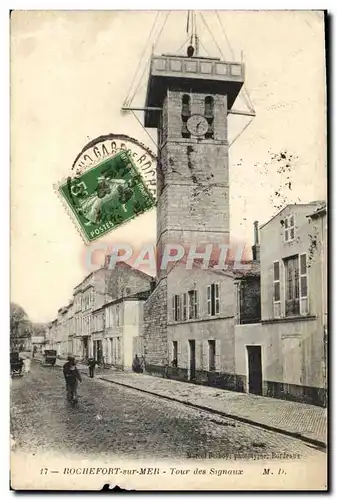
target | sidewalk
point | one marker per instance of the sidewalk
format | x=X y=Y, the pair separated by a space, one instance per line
x=303 y=421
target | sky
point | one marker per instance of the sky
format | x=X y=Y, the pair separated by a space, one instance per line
x=70 y=74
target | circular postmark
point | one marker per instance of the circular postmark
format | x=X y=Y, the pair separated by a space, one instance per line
x=112 y=180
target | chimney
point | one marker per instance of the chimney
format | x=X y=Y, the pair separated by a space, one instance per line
x=256 y=246
x=256 y=232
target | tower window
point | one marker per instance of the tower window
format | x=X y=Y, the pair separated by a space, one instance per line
x=186 y=106
x=209 y=115
x=209 y=107
x=185 y=114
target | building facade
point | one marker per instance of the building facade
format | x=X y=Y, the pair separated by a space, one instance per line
x=38 y=343
x=89 y=295
x=123 y=330
x=104 y=317
x=283 y=355
x=200 y=328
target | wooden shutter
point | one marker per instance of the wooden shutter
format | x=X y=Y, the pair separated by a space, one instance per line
x=196 y=304
x=185 y=306
x=179 y=359
x=286 y=235
x=198 y=355
x=173 y=308
x=209 y=298
x=217 y=298
x=205 y=361
x=217 y=355
x=303 y=284
x=277 y=289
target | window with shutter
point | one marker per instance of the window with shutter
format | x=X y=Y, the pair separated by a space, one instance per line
x=217 y=355
x=213 y=299
x=192 y=304
x=185 y=306
x=211 y=355
x=303 y=285
x=209 y=305
x=205 y=360
x=113 y=350
x=217 y=298
x=289 y=228
x=179 y=357
x=292 y=305
x=196 y=304
x=277 y=290
x=198 y=354
x=174 y=359
x=176 y=308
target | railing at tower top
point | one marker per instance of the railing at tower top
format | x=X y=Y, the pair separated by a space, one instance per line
x=203 y=68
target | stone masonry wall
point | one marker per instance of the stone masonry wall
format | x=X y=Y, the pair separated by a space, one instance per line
x=123 y=280
x=194 y=202
x=193 y=206
x=155 y=326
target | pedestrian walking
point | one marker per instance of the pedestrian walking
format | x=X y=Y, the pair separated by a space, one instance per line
x=91 y=364
x=72 y=376
x=136 y=366
x=26 y=364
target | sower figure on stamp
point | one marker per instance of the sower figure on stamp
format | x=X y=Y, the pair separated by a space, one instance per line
x=91 y=364
x=72 y=376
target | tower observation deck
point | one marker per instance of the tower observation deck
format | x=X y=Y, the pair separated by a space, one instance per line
x=190 y=74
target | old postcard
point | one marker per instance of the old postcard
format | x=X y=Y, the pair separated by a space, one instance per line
x=168 y=319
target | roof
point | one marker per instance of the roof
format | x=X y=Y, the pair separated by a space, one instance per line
x=143 y=295
x=118 y=264
x=234 y=270
x=312 y=203
x=136 y=271
x=319 y=212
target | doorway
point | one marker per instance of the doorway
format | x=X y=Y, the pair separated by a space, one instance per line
x=191 y=344
x=85 y=347
x=254 y=369
x=99 y=352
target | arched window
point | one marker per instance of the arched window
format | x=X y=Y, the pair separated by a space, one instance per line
x=186 y=107
x=209 y=115
x=185 y=114
x=209 y=107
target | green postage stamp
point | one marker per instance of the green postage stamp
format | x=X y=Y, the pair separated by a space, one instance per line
x=106 y=196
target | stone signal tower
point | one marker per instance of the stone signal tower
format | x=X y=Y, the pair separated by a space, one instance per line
x=188 y=100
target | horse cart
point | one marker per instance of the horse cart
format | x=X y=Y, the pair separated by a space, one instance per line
x=16 y=364
x=49 y=358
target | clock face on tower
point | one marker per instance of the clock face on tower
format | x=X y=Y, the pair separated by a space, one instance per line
x=197 y=125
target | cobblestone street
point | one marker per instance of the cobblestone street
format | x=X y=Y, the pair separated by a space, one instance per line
x=113 y=419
